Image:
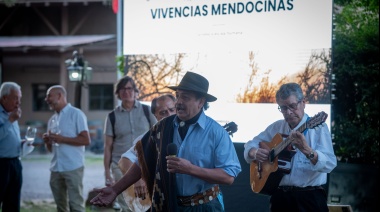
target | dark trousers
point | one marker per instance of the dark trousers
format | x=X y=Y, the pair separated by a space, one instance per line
x=10 y=184
x=299 y=201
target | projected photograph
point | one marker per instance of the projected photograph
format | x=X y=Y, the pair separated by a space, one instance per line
x=251 y=77
x=244 y=83
x=246 y=50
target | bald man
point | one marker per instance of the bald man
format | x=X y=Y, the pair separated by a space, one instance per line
x=68 y=148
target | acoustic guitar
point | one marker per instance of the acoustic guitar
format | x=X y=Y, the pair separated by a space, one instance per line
x=266 y=176
x=134 y=203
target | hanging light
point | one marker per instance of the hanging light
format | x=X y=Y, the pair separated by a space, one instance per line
x=78 y=69
x=75 y=73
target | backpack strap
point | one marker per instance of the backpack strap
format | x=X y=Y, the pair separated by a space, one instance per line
x=146 y=112
x=111 y=117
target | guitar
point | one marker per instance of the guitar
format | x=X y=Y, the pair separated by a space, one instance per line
x=134 y=202
x=266 y=176
x=231 y=128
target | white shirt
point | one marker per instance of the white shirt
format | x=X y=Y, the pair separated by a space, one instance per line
x=303 y=172
x=72 y=122
x=131 y=154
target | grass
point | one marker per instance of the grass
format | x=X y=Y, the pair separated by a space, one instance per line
x=90 y=158
x=49 y=206
x=94 y=159
x=41 y=206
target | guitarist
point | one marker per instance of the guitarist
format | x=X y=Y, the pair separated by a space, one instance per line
x=301 y=189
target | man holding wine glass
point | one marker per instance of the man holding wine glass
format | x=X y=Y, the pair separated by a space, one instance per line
x=53 y=127
x=66 y=138
x=10 y=147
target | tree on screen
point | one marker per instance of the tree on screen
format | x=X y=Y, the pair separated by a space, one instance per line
x=265 y=93
x=153 y=73
x=314 y=80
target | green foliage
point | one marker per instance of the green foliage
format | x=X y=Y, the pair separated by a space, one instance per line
x=120 y=60
x=356 y=68
x=49 y=205
x=37 y=206
x=370 y=4
x=9 y=3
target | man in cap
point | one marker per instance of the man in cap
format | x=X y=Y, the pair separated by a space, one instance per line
x=206 y=157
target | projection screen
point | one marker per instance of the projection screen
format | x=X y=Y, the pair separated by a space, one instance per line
x=246 y=49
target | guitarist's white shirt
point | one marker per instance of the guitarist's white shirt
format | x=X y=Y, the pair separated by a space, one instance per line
x=303 y=172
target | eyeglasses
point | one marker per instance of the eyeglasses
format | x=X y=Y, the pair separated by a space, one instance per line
x=126 y=89
x=291 y=107
x=165 y=112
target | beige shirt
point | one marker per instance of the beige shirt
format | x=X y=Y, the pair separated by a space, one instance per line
x=128 y=125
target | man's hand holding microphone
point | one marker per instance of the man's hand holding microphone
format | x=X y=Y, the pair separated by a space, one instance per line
x=176 y=164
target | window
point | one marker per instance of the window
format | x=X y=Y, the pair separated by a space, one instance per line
x=101 y=97
x=39 y=94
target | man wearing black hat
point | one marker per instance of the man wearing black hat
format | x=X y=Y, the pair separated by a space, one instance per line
x=189 y=178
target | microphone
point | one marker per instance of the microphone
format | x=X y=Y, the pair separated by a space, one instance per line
x=172 y=149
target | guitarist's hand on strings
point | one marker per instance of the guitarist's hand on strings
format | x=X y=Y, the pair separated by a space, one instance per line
x=299 y=141
x=260 y=154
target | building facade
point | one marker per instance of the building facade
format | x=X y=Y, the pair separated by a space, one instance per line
x=36 y=39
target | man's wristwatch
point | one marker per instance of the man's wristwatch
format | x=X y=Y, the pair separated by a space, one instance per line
x=310 y=156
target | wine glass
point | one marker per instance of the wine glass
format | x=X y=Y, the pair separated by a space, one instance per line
x=30 y=134
x=54 y=127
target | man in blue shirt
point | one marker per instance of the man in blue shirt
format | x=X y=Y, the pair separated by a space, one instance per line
x=205 y=158
x=10 y=147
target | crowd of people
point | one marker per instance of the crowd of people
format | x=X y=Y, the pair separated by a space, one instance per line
x=171 y=156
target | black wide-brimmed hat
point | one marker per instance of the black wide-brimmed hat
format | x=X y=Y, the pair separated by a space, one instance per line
x=194 y=82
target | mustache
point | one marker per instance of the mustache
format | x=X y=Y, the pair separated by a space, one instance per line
x=291 y=116
x=180 y=107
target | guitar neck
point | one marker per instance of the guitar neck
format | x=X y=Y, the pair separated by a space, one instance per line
x=287 y=141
